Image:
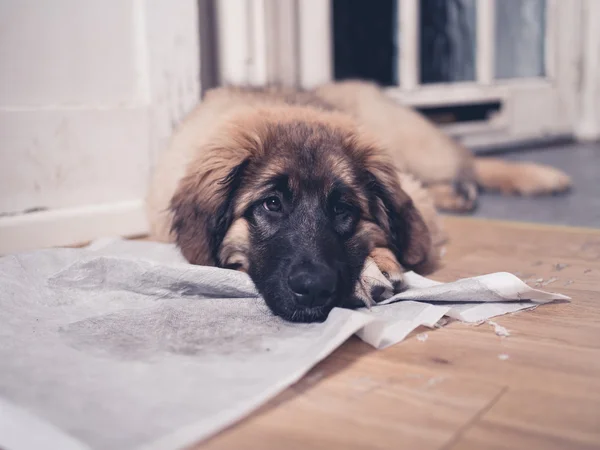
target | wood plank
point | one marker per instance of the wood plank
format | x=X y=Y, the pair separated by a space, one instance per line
x=365 y=405
x=537 y=419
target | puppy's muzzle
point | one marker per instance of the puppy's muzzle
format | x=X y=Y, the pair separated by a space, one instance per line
x=313 y=285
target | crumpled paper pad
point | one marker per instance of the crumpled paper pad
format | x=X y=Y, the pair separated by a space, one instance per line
x=122 y=345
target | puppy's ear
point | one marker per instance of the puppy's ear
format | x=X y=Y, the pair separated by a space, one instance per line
x=408 y=235
x=202 y=209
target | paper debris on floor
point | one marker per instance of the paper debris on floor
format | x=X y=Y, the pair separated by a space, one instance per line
x=499 y=329
x=422 y=337
x=123 y=345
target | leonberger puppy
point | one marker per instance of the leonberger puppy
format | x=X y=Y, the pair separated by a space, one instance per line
x=324 y=197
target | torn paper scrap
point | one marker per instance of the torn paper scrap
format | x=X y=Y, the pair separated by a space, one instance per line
x=479 y=312
x=392 y=323
x=495 y=287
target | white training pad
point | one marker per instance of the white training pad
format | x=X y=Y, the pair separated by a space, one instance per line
x=123 y=345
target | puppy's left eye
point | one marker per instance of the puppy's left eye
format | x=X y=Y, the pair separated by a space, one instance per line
x=340 y=208
x=272 y=204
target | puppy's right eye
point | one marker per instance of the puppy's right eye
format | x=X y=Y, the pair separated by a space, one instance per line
x=272 y=204
x=340 y=208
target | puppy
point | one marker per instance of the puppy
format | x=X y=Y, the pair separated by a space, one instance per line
x=323 y=197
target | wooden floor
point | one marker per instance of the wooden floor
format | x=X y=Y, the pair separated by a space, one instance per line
x=464 y=387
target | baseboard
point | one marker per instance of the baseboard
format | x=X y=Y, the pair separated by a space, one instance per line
x=71 y=226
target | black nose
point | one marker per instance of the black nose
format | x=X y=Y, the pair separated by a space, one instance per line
x=313 y=284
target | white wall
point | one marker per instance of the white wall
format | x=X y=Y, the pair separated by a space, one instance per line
x=89 y=93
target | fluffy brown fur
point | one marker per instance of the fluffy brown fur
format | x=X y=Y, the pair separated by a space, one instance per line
x=223 y=158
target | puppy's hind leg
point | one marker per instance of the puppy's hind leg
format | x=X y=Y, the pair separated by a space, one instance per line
x=456 y=196
x=495 y=174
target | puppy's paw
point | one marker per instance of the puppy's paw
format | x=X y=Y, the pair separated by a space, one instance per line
x=380 y=278
x=389 y=267
x=459 y=196
x=372 y=286
x=537 y=179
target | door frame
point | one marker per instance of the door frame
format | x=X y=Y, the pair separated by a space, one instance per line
x=565 y=102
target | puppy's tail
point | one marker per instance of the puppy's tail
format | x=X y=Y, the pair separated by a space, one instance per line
x=525 y=178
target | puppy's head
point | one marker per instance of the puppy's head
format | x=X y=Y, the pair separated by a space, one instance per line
x=297 y=199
